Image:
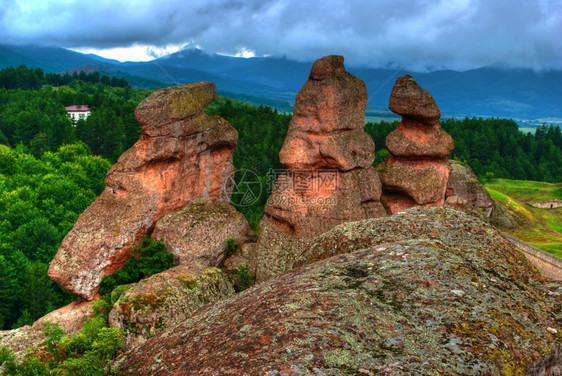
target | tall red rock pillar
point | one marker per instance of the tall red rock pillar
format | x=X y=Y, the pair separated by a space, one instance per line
x=182 y=154
x=329 y=179
x=417 y=171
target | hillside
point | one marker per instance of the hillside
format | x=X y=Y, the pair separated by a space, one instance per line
x=536 y=226
x=487 y=91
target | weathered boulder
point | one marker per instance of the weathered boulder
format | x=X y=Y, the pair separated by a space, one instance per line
x=415 y=139
x=182 y=154
x=20 y=339
x=165 y=300
x=329 y=178
x=198 y=233
x=416 y=173
x=69 y=318
x=326 y=130
x=423 y=180
x=464 y=185
x=410 y=100
x=430 y=290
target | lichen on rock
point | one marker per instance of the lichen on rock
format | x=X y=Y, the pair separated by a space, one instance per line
x=165 y=300
x=426 y=291
x=198 y=233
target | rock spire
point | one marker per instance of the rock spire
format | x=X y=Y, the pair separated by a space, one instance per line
x=416 y=173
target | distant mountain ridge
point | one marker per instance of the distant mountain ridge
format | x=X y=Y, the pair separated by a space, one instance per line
x=488 y=91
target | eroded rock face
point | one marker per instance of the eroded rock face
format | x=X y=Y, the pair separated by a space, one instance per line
x=329 y=178
x=165 y=300
x=182 y=154
x=69 y=318
x=198 y=233
x=417 y=172
x=466 y=192
x=430 y=290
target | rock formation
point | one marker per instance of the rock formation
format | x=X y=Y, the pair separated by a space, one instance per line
x=329 y=178
x=198 y=233
x=182 y=154
x=69 y=318
x=416 y=173
x=426 y=291
x=165 y=300
x=465 y=192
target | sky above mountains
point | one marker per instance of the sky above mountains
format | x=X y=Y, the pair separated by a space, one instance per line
x=417 y=34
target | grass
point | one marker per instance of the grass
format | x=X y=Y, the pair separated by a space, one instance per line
x=527 y=191
x=541 y=228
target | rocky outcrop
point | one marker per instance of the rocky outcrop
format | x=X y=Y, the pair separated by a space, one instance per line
x=329 y=178
x=68 y=318
x=199 y=232
x=426 y=291
x=416 y=173
x=165 y=300
x=465 y=192
x=182 y=154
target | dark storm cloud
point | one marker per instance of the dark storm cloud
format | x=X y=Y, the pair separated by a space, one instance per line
x=435 y=34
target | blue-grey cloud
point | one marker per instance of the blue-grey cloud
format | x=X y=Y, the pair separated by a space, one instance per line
x=456 y=34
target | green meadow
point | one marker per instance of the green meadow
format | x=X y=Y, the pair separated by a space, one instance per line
x=539 y=227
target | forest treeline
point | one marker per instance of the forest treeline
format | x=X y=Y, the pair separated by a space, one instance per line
x=495 y=147
x=32 y=111
x=52 y=169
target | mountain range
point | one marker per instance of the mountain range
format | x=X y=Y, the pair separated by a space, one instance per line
x=497 y=90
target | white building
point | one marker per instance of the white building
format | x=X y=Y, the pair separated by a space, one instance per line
x=77 y=112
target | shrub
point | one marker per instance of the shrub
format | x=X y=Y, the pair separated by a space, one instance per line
x=147 y=258
x=231 y=247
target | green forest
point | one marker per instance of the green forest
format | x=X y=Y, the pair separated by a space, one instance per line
x=32 y=111
x=52 y=169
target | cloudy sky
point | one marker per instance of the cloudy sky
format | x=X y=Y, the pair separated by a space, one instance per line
x=457 y=34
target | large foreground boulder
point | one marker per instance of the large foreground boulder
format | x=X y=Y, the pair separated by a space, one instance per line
x=426 y=291
x=182 y=154
x=329 y=178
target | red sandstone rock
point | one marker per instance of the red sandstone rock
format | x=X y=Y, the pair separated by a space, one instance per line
x=466 y=192
x=69 y=318
x=396 y=202
x=198 y=233
x=329 y=179
x=424 y=180
x=416 y=173
x=182 y=154
x=415 y=139
x=325 y=199
x=326 y=130
x=410 y=100
x=166 y=300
